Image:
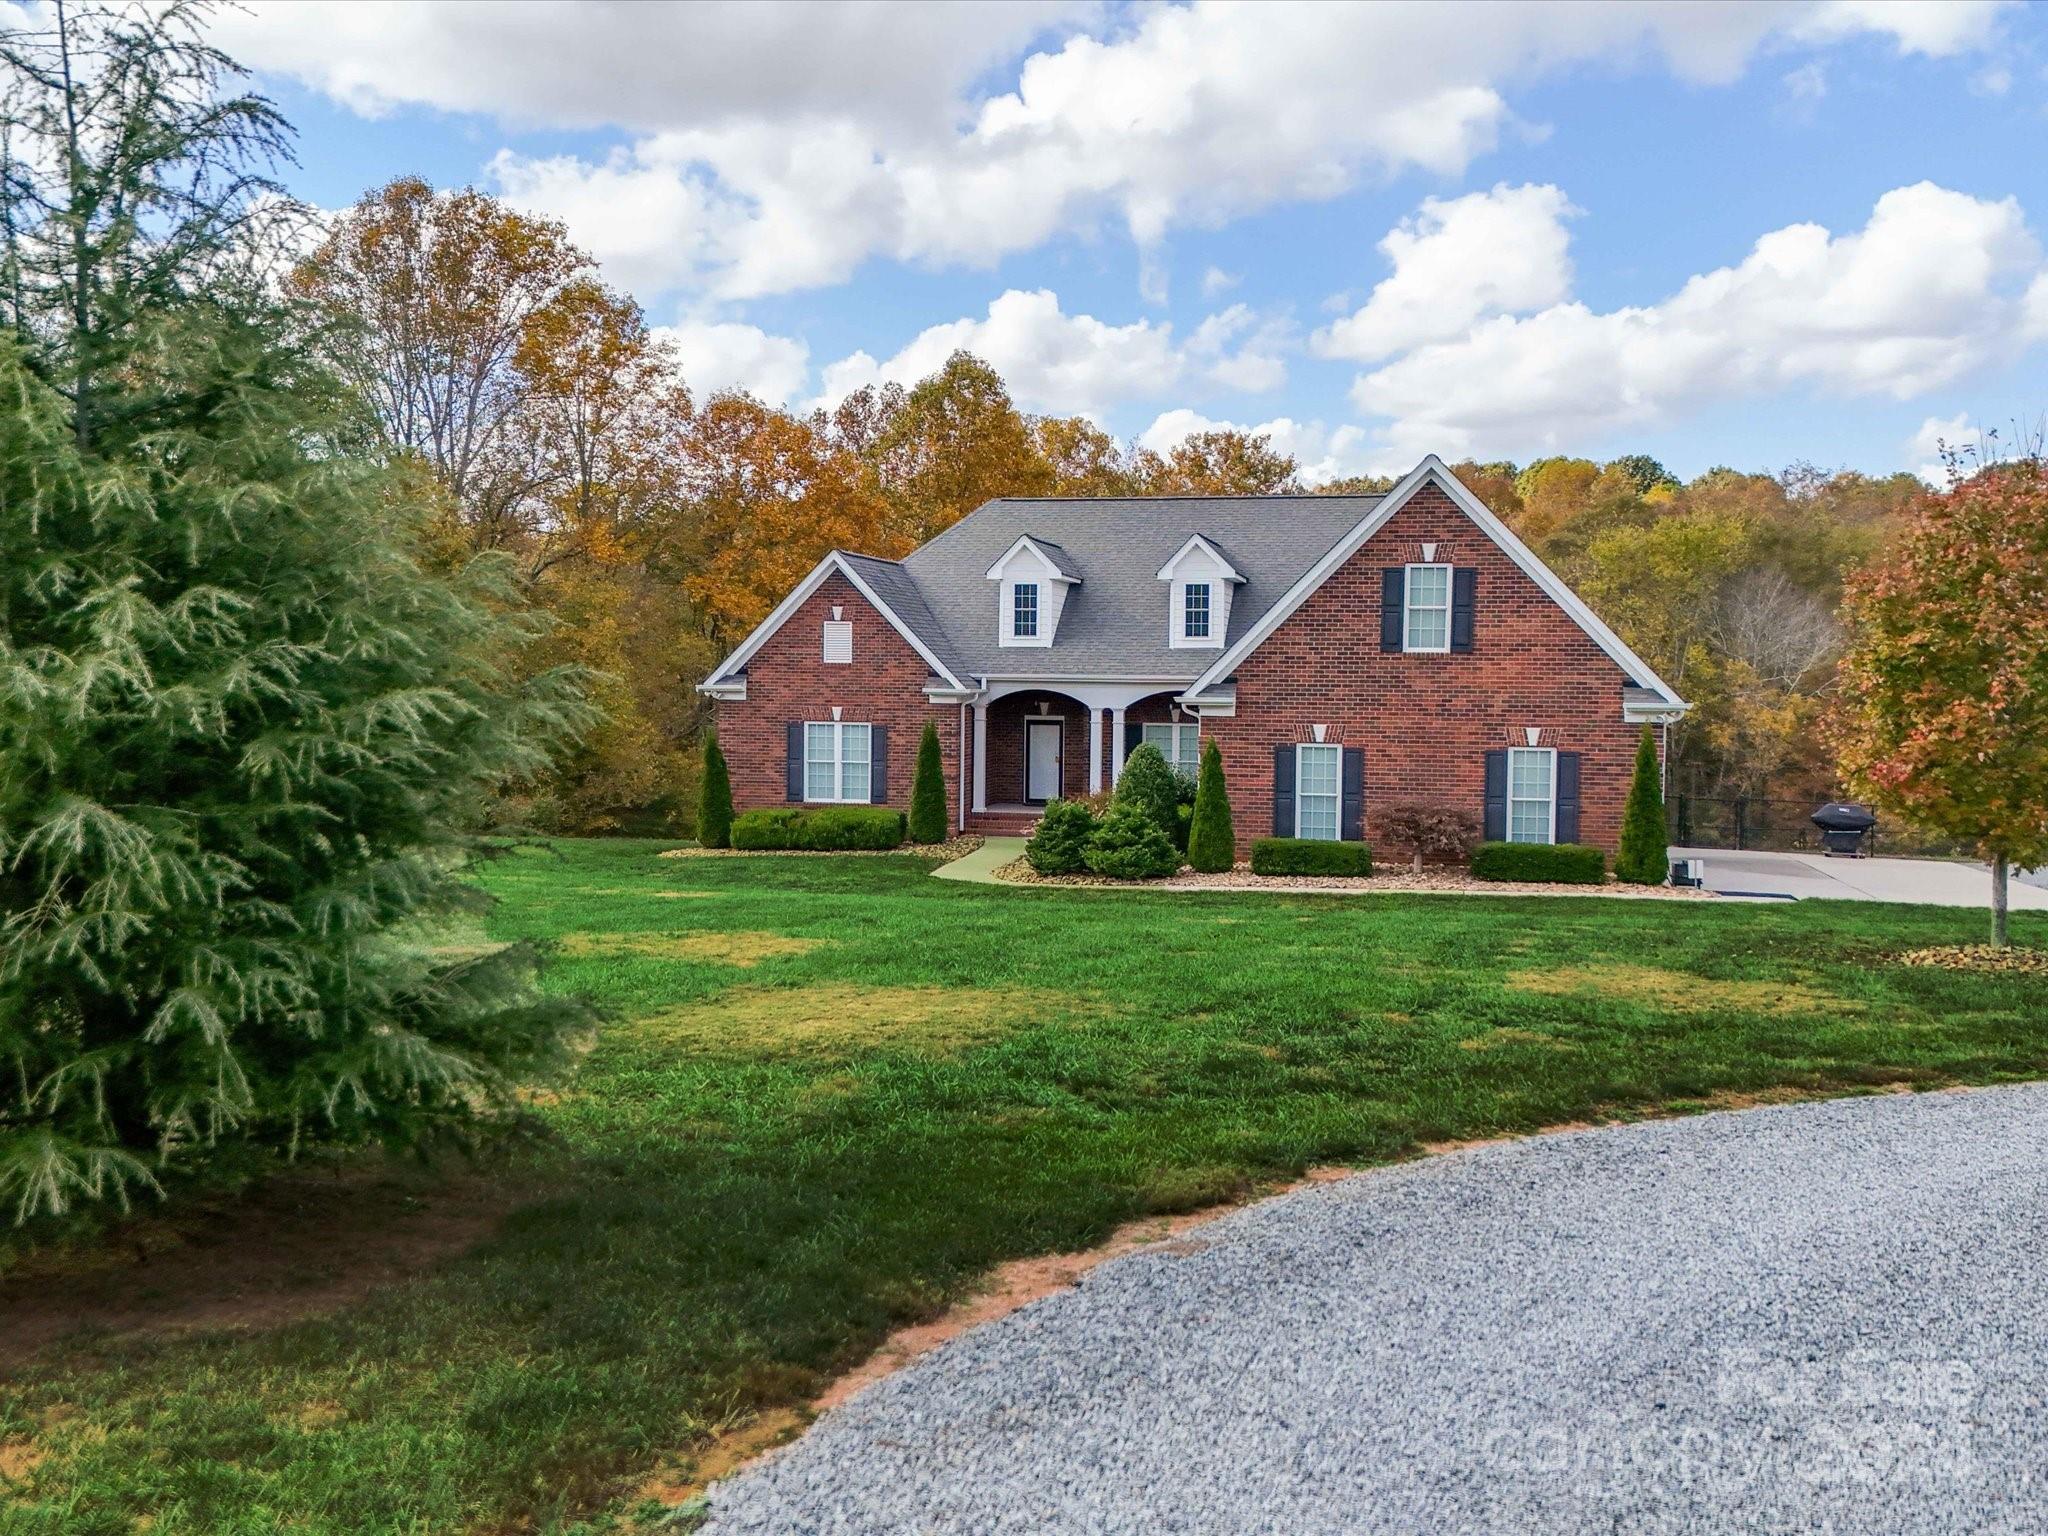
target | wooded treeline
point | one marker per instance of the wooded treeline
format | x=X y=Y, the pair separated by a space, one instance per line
x=657 y=525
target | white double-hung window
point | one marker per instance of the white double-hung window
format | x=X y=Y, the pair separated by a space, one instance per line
x=1024 y=610
x=1195 y=611
x=1428 y=602
x=1532 y=794
x=1317 y=775
x=836 y=762
x=1180 y=745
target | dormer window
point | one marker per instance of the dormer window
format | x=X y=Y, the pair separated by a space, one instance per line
x=1033 y=581
x=1199 y=581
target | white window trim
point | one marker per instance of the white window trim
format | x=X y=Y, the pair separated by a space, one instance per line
x=1176 y=726
x=841 y=629
x=1319 y=746
x=1409 y=606
x=838 y=729
x=1550 y=826
x=1017 y=589
x=1187 y=632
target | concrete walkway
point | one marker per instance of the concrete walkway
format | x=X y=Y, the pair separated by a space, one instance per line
x=1812 y=876
x=980 y=866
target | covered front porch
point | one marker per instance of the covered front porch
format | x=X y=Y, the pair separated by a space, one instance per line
x=1032 y=742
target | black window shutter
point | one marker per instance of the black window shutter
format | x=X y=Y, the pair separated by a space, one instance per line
x=1283 y=791
x=878 y=765
x=1134 y=738
x=1497 y=796
x=1567 y=830
x=795 y=761
x=1464 y=587
x=1393 y=599
x=1352 y=828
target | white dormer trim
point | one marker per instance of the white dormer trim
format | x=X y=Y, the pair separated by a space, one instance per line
x=1198 y=563
x=1219 y=564
x=1026 y=563
x=1432 y=470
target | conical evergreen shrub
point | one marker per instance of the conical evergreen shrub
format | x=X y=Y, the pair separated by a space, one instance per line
x=1212 y=841
x=1150 y=785
x=714 y=798
x=928 y=791
x=1644 y=856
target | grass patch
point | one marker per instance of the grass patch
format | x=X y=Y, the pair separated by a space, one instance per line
x=746 y=1187
x=1682 y=991
x=744 y=949
x=841 y=1019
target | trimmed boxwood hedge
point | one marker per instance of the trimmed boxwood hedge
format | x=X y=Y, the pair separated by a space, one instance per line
x=1309 y=856
x=1555 y=863
x=827 y=829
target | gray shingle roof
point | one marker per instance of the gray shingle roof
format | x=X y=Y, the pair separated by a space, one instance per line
x=1115 y=622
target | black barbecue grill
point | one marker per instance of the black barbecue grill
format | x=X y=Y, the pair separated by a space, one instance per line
x=1845 y=828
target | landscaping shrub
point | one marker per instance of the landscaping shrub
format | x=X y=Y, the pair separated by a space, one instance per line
x=828 y=829
x=928 y=791
x=1443 y=834
x=1212 y=840
x=714 y=798
x=839 y=828
x=1644 y=857
x=1148 y=784
x=766 y=830
x=1309 y=856
x=1059 y=845
x=1557 y=863
x=1128 y=844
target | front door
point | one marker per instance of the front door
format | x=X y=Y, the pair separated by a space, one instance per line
x=1042 y=760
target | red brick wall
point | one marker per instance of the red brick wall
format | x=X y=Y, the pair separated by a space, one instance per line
x=1426 y=722
x=787 y=680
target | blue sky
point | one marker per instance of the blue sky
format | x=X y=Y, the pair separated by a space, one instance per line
x=1385 y=230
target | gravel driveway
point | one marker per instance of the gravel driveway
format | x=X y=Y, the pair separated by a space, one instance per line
x=1826 y=1317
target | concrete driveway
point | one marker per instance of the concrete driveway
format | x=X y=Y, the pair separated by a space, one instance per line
x=1811 y=876
x=1817 y=1318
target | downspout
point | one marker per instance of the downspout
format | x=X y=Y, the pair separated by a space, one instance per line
x=960 y=775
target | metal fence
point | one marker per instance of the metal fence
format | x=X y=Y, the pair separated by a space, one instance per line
x=1756 y=822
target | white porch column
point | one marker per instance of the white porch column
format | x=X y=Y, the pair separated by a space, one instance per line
x=1116 y=744
x=1094 y=750
x=981 y=757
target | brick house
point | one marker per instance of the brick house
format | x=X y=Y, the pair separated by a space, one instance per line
x=1346 y=653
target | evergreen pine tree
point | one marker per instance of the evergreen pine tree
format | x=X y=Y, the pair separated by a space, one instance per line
x=714 y=798
x=1212 y=841
x=1643 y=858
x=928 y=791
x=241 y=732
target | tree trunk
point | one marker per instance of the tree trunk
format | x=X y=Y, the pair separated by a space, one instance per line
x=2001 y=874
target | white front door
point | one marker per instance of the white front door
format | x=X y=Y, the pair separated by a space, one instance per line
x=1042 y=760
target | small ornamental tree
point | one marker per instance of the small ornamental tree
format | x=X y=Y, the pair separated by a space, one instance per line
x=1945 y=679
x=714 y=798
x=1212 y=840
x=928 y=791
x=1445 y=834
x=1643 y=858
x=1153 y=787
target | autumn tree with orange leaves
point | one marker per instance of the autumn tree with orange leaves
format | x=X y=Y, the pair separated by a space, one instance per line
x=1946 y=676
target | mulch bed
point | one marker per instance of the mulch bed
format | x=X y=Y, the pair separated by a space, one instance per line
x=951 y=849
x=1400 y=882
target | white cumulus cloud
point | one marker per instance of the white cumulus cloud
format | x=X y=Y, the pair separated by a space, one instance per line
x=1456 y=261
x=1321 y=453
x=716 y=355
x=1930 y=289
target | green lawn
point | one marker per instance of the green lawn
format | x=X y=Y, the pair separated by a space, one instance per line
x=834 y=1092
